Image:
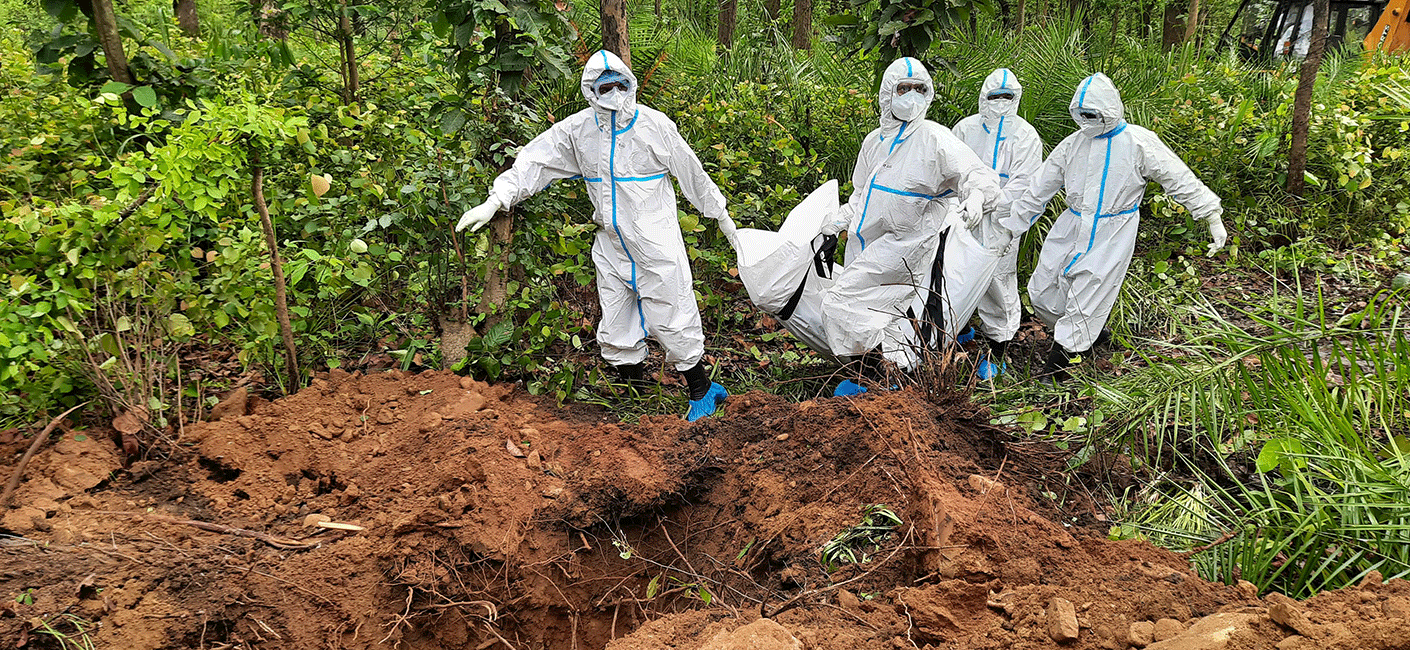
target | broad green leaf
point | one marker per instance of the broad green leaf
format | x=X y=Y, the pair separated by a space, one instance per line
x=145 y=96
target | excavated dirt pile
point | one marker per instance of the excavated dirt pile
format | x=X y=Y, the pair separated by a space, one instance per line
x=466 y=516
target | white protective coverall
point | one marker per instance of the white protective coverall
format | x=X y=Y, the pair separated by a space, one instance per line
x=1011 y=147
x=894 y=222
x=625 y=156
x=1105 y=167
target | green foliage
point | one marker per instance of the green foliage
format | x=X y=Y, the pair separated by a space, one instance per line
x=498 y=42
x=1295 y=440
x=898 y=28
x=854 y=544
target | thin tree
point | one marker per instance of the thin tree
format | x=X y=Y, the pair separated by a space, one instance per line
x=1172 y=26
x=615 y=38
x=276 y=264
x=803 y=24
x=771 y=9
x=105 y=23
x=186 y=17
x=348 y=54
x=1302 y=102
x=1191 y=21
x=725 y=27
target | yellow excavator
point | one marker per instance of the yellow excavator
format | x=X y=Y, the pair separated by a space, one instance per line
x=1392 y=31
x=1383 y=25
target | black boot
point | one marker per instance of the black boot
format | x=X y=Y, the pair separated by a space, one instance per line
x=1058 y=363
x=697 y=381
x=998 y=349
x=633 y=375
x=1103 y=337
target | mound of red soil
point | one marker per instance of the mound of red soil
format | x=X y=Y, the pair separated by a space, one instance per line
x=479 y=517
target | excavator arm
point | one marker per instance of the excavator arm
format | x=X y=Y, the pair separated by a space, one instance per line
x=1392 y=31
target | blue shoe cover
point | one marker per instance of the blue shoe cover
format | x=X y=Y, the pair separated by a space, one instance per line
x=965 y=337
x=989 y=370
x=848 y=388
x=706 y=405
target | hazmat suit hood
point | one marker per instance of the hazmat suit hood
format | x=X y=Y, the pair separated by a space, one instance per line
x=1097 y=93
x=603 y=61
x=993 y=109
x=902 y=69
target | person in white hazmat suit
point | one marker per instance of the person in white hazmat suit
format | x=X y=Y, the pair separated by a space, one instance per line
x=1011 y=147
x=893 y=223
x=1105 y=166
x=625 y=153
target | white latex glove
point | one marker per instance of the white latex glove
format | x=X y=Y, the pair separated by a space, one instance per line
x=837 y=221
x=478 y=216
x=1003 y=242
x=727 y=227
x=972 y=210
x=1218 y=234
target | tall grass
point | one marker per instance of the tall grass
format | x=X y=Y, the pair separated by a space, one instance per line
x=1280 y=445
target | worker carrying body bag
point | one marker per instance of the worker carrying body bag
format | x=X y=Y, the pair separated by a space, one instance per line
x=788 y=272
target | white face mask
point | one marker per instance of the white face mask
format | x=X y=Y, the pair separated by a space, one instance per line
x=1091 y=127
x=909 y=106
x=999 y=106
x=614 y=100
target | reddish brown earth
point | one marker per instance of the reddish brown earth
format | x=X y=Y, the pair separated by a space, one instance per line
x=601 y=535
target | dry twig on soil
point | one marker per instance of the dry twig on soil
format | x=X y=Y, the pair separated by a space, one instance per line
x=281 y=543
x=28 y=454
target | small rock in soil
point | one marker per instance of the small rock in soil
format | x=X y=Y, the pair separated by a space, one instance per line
x=781 y=437
x=1141 y=634
x=1168 y=628
x=1062 y=620
x=535 y=461
x=232 y=405
x=847 y=600
x=313 y=520
x=1285 y=612
x=385 y=416
x=513 y=449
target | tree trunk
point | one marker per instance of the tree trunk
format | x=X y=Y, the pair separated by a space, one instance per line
x=497 y=271
x=803 y=24
x=186 y=17
x=1302 y=102
x=268 y=19
x=1191 y=22
x=1172 y=28
x=1021 y=15
x=348 y=54
x=725 y=26
x=658 y=10
x=105 y=21
x=771 y=9
x=614 y=30
x=281 y=297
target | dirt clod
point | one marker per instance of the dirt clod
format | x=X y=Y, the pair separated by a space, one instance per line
x=1141 y=634
x=1167 y=628
x=763 y=634
x=232 y=405
x=1062 y=620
